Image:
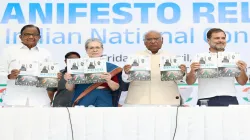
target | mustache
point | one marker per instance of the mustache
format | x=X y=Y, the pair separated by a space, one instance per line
x=220 y=49
x=220 y=43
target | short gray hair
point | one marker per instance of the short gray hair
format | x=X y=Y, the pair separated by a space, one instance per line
x=93 y=40
x=151 y=31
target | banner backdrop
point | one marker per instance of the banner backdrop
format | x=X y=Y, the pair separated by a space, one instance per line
x=121 y=24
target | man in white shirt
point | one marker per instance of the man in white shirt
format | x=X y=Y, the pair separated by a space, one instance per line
x=10 y=69
x=217 y=91
x=154 y=92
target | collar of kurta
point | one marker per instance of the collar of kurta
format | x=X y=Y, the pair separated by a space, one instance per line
x=25 y=47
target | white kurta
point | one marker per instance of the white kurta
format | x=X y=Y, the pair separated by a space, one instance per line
x=23 y=95
x=154 y=91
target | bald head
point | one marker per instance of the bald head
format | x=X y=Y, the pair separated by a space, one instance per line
x=153 y=41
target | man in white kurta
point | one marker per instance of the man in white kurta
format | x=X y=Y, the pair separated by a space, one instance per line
x=154 y=91
x=9 y=69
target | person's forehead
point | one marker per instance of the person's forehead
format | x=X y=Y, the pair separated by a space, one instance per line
x=218 y=34
x=153 y=34
x=73 y=56
x=94 y=43
x=30 y=29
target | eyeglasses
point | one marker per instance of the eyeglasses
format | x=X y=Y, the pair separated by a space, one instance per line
x=94 y=48
x=152 y=39
x=28 y=35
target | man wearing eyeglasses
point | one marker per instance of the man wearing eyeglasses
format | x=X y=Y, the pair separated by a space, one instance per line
x=154 y=91
x=9 y=68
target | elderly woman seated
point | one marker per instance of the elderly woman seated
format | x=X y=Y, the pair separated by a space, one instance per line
x=97 y=94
